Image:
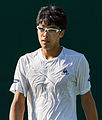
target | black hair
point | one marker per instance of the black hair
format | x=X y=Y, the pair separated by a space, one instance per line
x=52 y=15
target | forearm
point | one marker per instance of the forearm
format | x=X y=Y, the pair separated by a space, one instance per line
x=16 y=112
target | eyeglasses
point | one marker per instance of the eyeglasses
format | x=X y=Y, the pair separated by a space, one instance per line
x=50 y=30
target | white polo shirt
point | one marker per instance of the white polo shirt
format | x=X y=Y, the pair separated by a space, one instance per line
x=51 y=86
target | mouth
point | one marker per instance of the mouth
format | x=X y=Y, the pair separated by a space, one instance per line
x=44 y=41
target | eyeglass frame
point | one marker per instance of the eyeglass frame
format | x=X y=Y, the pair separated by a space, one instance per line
x=48 y=29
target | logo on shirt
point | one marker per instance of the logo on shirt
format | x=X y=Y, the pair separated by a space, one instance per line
x=89 y=79
x=65 y=71
x=15 y=81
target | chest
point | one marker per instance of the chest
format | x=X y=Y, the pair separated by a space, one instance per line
x=51 y=76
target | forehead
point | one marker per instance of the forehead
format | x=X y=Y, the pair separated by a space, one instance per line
x=45 y=24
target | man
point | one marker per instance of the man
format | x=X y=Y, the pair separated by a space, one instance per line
x=52 y=76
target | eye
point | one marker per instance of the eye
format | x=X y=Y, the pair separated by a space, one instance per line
x=41 y=29
x=50 y=30
x=54 y=30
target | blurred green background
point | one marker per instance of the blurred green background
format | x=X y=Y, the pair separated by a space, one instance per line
x=18 y=36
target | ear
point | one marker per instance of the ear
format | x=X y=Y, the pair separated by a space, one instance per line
x=62 y=33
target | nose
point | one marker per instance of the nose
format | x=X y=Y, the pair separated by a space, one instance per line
x=45 y=34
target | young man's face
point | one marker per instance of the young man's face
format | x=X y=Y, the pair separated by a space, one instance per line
x=49 y=39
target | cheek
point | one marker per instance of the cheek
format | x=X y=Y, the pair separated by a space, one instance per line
x=39 y=36
x=55 y=38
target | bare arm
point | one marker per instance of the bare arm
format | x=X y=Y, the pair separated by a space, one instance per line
x=17 y=107
x=89 y=106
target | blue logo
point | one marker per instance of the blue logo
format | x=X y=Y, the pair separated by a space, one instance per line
x=89 y=79
x=65 y=71
x=15 y=81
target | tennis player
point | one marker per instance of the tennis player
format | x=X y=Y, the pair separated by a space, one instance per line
x=52 y=76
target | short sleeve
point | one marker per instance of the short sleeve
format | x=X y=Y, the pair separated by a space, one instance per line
x=20 y=81
x=83 y=77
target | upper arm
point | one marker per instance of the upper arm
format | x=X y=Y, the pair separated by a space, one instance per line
x=18 y=103
x=83 y=83
x=19 y=98
x=20 y=82
x=87 y=98
x=17 y=107
x=89 y=106
x=19 y=88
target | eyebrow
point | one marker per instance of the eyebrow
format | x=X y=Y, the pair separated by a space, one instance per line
x=49 y=27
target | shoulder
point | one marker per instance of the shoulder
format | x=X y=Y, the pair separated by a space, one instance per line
x=28 y=57
x=74 y=56
x=72 y=53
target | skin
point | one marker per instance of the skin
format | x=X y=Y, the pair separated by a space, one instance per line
x=17 y=107
x=50 y=42
x=89 y=107
x=50 y=49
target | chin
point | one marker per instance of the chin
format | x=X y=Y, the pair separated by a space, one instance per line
x=45 y=47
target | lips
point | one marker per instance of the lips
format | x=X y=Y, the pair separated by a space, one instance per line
x=44 y=41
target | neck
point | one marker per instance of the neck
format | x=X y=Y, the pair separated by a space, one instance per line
x=51 y=53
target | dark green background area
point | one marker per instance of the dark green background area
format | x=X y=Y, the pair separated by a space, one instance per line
x=18 y=36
